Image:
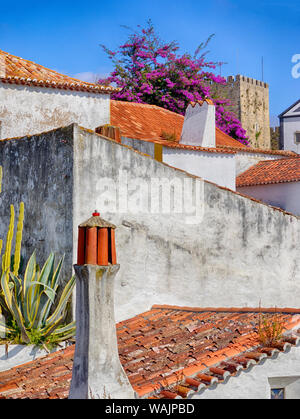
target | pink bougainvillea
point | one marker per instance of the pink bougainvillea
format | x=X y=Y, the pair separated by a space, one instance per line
x=149 y=71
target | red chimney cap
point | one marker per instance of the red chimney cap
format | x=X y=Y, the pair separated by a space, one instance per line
x=97 y=221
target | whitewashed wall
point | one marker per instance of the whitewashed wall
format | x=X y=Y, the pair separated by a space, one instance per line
x=289 y=127
x=283 y=195
x=240 y=253
x=28 y=110
x=215 y=167
x=236 y=252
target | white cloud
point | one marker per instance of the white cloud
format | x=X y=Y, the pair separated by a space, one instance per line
x=87 y=76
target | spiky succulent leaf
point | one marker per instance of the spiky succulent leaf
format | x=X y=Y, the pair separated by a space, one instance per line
x=63 y=301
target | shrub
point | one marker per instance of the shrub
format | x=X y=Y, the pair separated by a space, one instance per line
x=270 y=330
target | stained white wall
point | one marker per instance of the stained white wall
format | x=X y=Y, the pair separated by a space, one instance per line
x=238 y=253
x=283 y=195
x=28 y=110
x=146 y=147
x=215 y=167
x=256 y=383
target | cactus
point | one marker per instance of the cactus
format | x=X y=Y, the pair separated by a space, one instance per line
x=6 y=258
x=17 y=257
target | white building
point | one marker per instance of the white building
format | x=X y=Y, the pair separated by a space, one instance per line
x=290 y=128
x=34 y=99
x=237 y=253
x=275 y=182
x=191 y=143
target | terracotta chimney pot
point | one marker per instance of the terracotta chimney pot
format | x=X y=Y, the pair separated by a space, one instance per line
x=96 y=242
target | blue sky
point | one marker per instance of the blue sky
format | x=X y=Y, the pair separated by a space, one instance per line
x=65 y=35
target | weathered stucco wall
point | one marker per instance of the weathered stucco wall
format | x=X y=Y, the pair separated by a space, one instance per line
x=235 y=252
x=241 y=253
x=38 y=171
x=146 y=147
x=28 y=110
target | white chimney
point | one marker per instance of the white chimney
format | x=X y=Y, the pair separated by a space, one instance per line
x=199 y=127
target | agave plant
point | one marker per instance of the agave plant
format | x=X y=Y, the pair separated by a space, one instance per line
x=34 y=306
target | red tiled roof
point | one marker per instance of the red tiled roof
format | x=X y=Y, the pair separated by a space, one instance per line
x=149 y=122
x=173 y=144
x=16 y=70
x=144 y=122
x=167 y=352
x=283 y=153
x=271 y=172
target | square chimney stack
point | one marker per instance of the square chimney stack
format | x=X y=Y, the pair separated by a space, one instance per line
x=97 y=370
x=199 y=126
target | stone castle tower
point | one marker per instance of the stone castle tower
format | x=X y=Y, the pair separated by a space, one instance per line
x=250 y=99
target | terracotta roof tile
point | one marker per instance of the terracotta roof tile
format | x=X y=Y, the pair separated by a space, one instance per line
x=167 y=352
x=271 y=172
x=149 y=122
x=144 y=122
x=17 y=70
x=283 y=153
